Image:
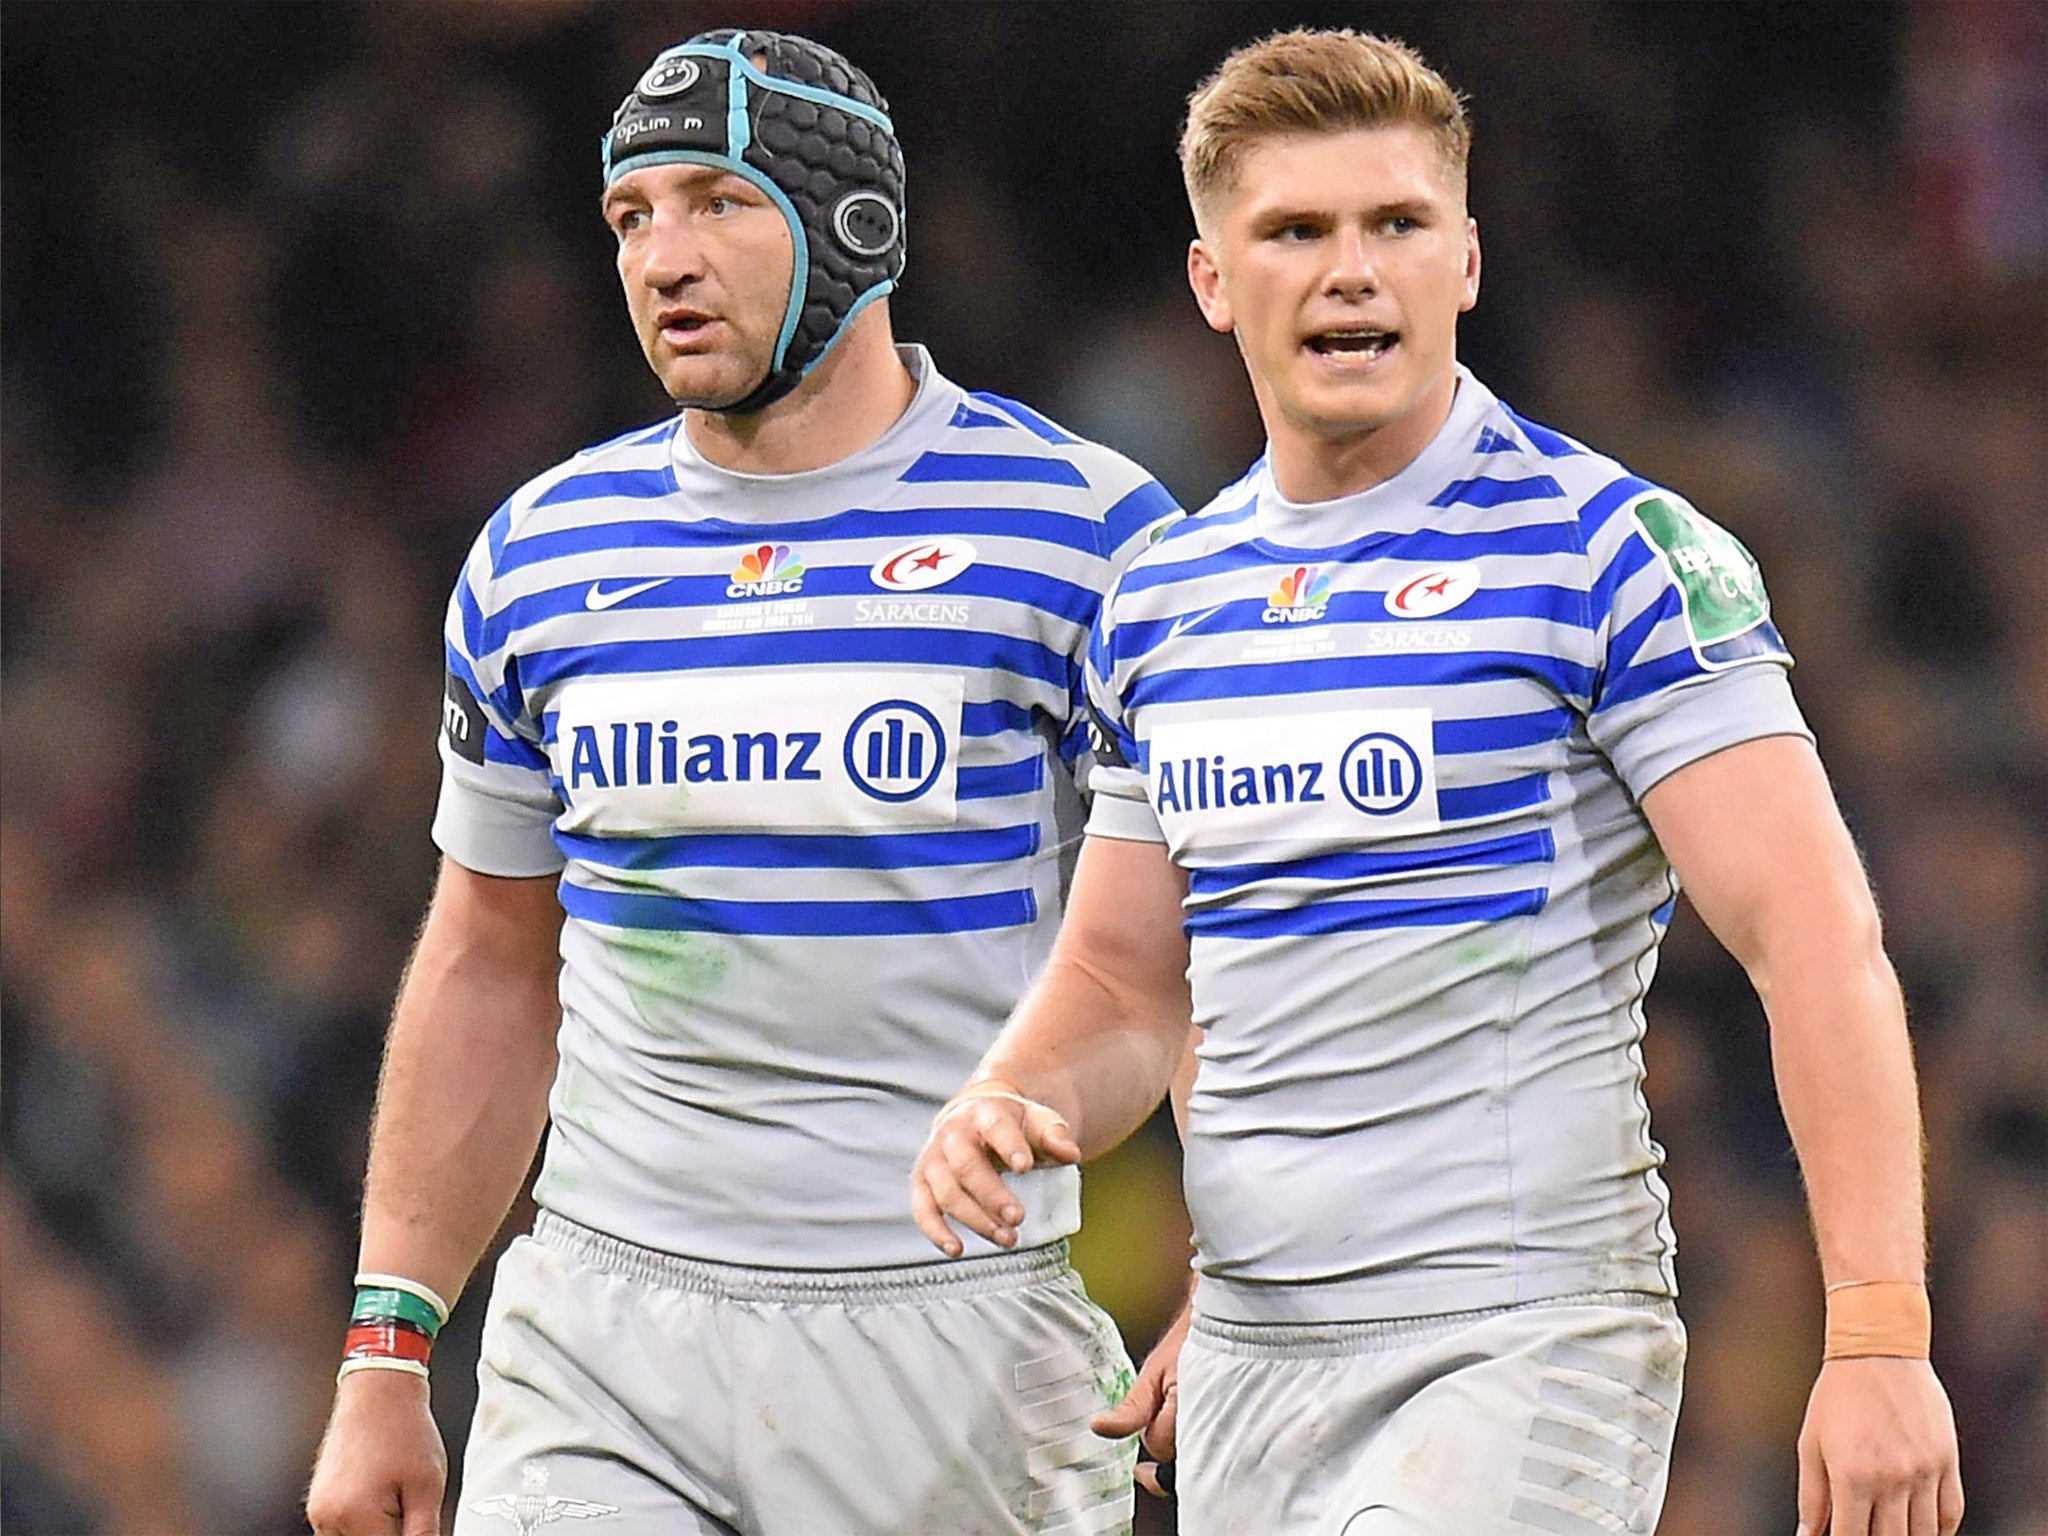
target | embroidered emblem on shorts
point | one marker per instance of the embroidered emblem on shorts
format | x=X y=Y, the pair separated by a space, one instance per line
x=533 y=1506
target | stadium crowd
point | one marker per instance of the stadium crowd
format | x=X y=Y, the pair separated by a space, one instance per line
x=301 y=292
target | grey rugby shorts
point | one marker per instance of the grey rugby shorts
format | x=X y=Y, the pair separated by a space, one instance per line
x=1549 y=1419
x=633 y=1393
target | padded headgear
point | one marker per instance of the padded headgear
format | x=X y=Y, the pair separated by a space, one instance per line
x=812 y=132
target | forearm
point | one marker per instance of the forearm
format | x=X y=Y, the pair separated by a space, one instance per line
x=1099 y=1052
x=1845 y=1080
x=463 y=1098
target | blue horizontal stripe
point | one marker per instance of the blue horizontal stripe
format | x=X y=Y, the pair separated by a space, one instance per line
x=792 y=850
x=955 y=650
x=1486 y=491
x=1628 y=642
x=799 y=919
x=994 y=718
x=1048 y=525
x=1246 y=615
x=1602 y=504
x=991 y=469
x=1025 y=417
x=1662 y=916
x=1501 y=733
x=633 y=484
x=1635 y=553
x=1425 y=544
x=1482 y=801
x=1064 y=599
x=1329 y=674
x=1521 y=848
x=1552 y=445
x=496 y=531
x=1136 y=512
x=1325 y=917
x=965 y=415
x=1491 y=441
x=1026 y=776
x=514 y=751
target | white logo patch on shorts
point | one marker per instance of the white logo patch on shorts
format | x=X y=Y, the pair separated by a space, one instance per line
x=816 y=749
x=533 y=1506
x=1344 y=774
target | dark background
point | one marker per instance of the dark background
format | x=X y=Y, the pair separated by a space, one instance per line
x=295 y=294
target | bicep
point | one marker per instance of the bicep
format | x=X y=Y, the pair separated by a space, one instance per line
x=1760 y=847
x=1123 y=919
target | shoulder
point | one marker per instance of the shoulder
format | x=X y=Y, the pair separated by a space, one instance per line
x=634 y=465
x=1116 y=488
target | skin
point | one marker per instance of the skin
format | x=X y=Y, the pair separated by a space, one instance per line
x=1367 y=227
x=705 y=262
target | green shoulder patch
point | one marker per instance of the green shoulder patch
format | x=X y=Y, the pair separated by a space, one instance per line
x=1718 y=579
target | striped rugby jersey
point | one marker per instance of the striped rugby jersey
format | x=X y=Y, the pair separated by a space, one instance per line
x=802 y=749
x=1398 y=742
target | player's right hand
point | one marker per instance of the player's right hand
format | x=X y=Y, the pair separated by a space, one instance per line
x=382 y=1469
x=956 y=1173
x=1151 y=1409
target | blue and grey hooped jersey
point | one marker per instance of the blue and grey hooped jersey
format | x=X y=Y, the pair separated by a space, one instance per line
x=801 y=747
x=1398 y=742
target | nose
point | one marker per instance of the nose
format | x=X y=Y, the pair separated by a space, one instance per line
x=671 y=255
x=1352 y=272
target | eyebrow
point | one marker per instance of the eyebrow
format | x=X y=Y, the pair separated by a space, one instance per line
x=1283 y=215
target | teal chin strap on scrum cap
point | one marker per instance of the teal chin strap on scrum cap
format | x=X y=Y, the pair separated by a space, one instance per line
x=812 y=132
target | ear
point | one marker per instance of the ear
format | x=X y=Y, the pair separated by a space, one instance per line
x=1205 y=277
x=1471 y=266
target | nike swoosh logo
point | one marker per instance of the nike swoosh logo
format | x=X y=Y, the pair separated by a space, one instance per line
x=1188 y=621
x=597 y=600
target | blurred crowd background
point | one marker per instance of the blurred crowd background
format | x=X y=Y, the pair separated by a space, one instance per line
x=295 y=294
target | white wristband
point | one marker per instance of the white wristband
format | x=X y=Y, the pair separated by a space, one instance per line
x=379 y=1363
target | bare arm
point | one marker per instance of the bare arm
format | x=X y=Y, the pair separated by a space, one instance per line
x=460 y=1109
x=1761 y=848
x=463 y=1097
x=1095 y=1044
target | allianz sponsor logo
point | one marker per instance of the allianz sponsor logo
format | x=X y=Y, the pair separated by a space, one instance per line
x=1301 y=598
x=1378 y=773
x=893 y=751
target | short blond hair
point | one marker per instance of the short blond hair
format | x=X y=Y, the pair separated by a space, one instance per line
x=1314 y=81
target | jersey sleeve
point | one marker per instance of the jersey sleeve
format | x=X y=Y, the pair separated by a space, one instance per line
x=1137 y=510
x=498 y=802
x=1121 y=806
x=1689 y=662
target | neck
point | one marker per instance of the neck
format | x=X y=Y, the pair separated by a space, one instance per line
x=1312 y=462
x=845 y=403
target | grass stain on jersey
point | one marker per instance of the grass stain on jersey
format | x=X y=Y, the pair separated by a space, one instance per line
x=665 y=972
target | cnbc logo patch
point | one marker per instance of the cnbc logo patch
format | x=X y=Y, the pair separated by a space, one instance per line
x=773 y=570
x=1301 y=598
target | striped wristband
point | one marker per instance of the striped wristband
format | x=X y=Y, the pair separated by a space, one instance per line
x=392 y=1326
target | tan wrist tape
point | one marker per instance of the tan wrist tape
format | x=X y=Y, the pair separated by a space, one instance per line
x=990 y=1088
x=1878 y=1318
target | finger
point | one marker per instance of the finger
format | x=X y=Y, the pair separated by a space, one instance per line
x=1891 y=1513
x=924 y=1210
x=1159 y=1437
x=1001 y=1125
x=1133 y=1413
x=1156 y=1478
x=1923 y=1517
x=958 y=1203
x=968 y=1161
x=1950 y=1499
x=1051 y=1136
x=1850 y=1510
x=1814 y=1500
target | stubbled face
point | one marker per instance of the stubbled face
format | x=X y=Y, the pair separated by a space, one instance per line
x=1341 y=262
x=706 y=262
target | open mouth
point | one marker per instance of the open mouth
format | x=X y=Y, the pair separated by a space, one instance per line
x=1361 y=342
x=680 y=328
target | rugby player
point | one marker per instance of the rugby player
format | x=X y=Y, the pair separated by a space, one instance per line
x=759 y=735
x=1410 y=739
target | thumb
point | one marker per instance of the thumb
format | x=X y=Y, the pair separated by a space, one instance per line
x=1134 y=1413
x=1050 y=1135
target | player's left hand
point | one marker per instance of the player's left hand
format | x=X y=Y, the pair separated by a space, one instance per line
x=1151 y=1409
x=1877 y=1455
x=956 y=1174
